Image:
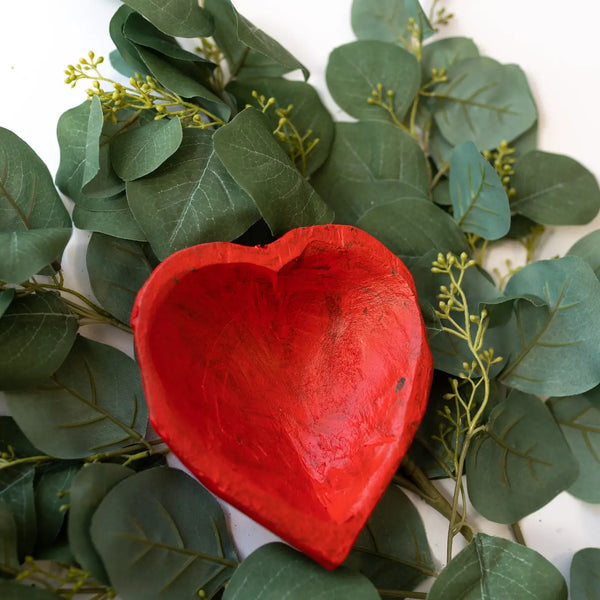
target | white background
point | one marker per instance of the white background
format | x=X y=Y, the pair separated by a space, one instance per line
x=555 y=42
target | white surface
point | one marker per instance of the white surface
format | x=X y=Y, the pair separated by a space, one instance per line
x=556 y=43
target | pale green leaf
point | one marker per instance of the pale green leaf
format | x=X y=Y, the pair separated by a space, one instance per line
x=444 y=53
x=588 y=248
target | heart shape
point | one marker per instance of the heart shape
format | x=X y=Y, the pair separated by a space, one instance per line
x=289 y=378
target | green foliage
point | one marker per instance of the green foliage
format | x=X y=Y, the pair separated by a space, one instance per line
x=491 y=567
x=519 y=462
x=36 y=334
x=442 y=54
x=170 y=546
x=585 y=574
x=94 y=403
x=9 y=554
x=588 y=248
x=13 y=591
x=275 y=570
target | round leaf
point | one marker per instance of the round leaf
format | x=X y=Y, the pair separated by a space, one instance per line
x=483 y=102
x=168 y=547
x=276 y=571
x=491 y=567
x=36 y=334
x=93 y=403
x=520 y=462
x=588 y=248
x=554 y=190
x=442 y=54
x=585 y=574
x=356 y=71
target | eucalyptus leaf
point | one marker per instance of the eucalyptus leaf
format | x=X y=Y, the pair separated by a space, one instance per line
x=140 y=151
x=555 y=352
x=252 y=156
x=388 y=20
x=127 y=51
x=579 y=421
x=356 y=71
x=588 y=248
x=483 y=102
x=9 y=554
x=442 y=54
x=117 y=270
x=36 y=334
x=195 y=197
x=25 y=253
x=519 y=462
x=393 y=553
x=88 y=489
x=13 y=440
x=16 y=494
x=491 y=567
x=171 y=545
x=479 y=202
x=181 y=18
x=93 y=403
x=366 y=152
x=91 y=164
x=50 y=487
x=111 y=216
x=6 y=297
x=9 y=590
x=413 y=227
x=276 y=571
x=585 y=574
x=308 y=114
x=554 y=190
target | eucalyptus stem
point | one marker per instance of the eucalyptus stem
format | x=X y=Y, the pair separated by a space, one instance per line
x=518 y=533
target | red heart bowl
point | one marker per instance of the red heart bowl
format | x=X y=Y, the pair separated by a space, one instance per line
x=289 y=378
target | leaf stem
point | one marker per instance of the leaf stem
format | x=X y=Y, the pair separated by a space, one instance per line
x=518 y=533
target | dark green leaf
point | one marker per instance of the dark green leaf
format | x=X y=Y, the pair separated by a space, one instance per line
x=13 y=440
x=91 y=163
x=16 y=494
x=585 y=574
x=9 y=590
x=127 y=50
x=367 y=152
x=88 y=489
x=442 y=54
x=412 y=227
x=9 y=553
x=111 y=216
x=276 y=571
x=140 y=151
x=388 y=20
x=93 y=403
x=393 y=552
x=520 y=462
x=588 y=248
x=579 y=421
x=117 y=270
x=25 y=253
x=208 y=204
x=181 y=18
x=441 y=193
x=171 y=545
x=554 y=190
x=36 y=334
x=483 y=102
x=6 y=297
x=50 y=486
x=555 y=352
x=479 y=202
x=251 y=154
x=308 y=112
x=494 y=568
x=356 y=70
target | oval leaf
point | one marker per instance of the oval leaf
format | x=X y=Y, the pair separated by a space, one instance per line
x=580 y=424
x=36 y=335
x=373 y=80
x=491 y=567
x=585 y=574
x=88 y=489
x=276 y=571
x=483 y=102
x=554 y=190
x=94 y=403
x=209 y=205
x=251 y=154
x=117 y=270
x=168 y=547
x=520 y=462
x=556 y=350
x=479 y=202
x=442 y=54
x=588 y=248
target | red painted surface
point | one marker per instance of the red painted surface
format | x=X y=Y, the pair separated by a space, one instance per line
x=290 y=378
